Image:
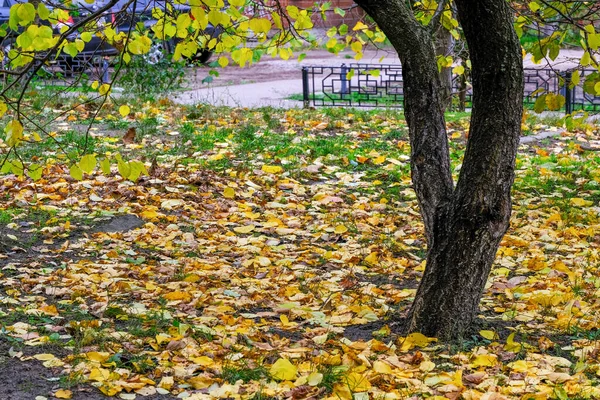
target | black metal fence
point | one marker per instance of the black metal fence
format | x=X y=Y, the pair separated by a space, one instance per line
x=374 y=85
x=66 y=71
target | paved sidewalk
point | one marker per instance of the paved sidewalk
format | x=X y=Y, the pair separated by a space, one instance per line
x=273 y=93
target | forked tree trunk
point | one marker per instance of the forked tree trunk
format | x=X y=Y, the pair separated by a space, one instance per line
x=463 y=225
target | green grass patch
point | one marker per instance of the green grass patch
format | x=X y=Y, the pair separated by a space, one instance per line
x=244 y=373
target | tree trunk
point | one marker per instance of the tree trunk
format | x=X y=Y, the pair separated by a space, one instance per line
x=443 y=47
x=463 y=226
x=423 y=108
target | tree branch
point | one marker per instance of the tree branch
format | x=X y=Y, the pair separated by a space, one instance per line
x=437 y=17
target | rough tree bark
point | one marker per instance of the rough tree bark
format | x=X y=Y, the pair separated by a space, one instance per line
x=463 y=225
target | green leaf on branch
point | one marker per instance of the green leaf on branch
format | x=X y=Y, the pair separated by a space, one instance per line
x=35 y=171
x=88 y=163
x=76 y=172
x=105 y=166
x=540 y=104
x=14 y=133
x=555 y=101
x=124 y=169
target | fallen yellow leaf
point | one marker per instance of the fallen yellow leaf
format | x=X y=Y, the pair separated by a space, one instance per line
x=416 y=339
x=484 y=360
x=382 y=368
x=272 y=169
x=357 y=382
x=98 y=356
x=244 y=229
x=229 y=193
x=203 y=361
x=489 y=335
x=379 y=160
x=149 y=213
x=178 y=296
x=371 y=258
x=341 y=229
x=63 y=394
x=283 y=370
x=579 y=202
x=99 y=374
x=166 y=382
x=315 y=378
x=44 y=356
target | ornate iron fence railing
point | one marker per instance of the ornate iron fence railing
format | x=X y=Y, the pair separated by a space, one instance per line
x=374 y=85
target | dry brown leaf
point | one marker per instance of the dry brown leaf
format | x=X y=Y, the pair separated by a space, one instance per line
x=129 y=137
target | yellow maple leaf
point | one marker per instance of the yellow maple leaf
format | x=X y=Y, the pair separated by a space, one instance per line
x=192 y=278
x=283 y=370
x=342 y=392
x=160 y=338
x=427 y=366
x=53 y=363
x=536 y=263
x=109 y=389
x=561 y=266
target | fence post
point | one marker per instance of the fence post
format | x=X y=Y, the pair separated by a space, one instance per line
x=568 y=93
x=305 y=88
x=105 y=74
x=344 y=79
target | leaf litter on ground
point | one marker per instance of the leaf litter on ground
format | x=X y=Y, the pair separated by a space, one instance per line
x=268 y=254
